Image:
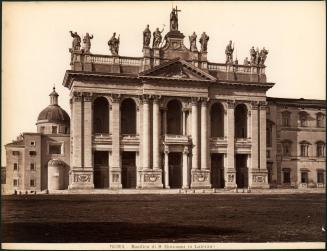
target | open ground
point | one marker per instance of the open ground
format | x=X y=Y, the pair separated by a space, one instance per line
x=163 y=218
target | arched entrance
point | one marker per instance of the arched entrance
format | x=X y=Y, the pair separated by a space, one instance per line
x=217 y=120
x=128 y=116
x=101 y=115
x=241 y=120
x=174 y=117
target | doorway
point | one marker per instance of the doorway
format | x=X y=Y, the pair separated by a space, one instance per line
x=101 y=169
x=128 y=170
x=217 y=170
x=175 y=170
x=241 y=171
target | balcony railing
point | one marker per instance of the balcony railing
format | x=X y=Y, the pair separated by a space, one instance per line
x=247 y=69
x=102 y=138
x=176 y=139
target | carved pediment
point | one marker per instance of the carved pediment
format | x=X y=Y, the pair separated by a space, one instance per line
x=178 y=69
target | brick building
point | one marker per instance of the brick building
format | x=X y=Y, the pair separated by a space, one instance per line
x=169 y=119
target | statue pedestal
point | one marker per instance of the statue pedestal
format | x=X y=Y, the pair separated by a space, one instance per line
x=200 y=178
x=230 y=179
x=151 y=178
x=156 y=56
x=146 y=63
x=204 y=61
x=115 y=66
x=195 y=58
x=81 y=178
x=115 y=178
x=258 y=178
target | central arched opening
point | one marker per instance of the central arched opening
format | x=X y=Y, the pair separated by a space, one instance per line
x=101 y=115
x=174 y=117
x=128 y=116
x=217 y=120
x=241 y=120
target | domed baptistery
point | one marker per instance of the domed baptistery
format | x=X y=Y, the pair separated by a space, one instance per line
x=53 y=119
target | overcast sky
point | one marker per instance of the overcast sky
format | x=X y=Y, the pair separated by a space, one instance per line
x=36 y=39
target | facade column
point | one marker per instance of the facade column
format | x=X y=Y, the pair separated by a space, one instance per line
x=156 y=133
x=166 y=167
x=115 y=167
x=88 y=153
x=231 y=172
x=185 y=168
x=204 y=136
x=146 y=133
x=263 y=145
x=184 y=121
x=164 y=121
x=254 y=160
x=195 y=139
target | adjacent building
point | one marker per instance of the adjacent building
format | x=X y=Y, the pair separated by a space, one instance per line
x=169 y=119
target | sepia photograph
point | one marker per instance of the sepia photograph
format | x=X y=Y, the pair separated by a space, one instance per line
x=163 y=125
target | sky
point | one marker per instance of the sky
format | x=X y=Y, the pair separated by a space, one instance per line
x=36 y=42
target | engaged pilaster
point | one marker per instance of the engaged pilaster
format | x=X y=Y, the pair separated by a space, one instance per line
x=166 y=167
x=185 y=168
x=156 y=132
x=195 y=142
x=146 y=132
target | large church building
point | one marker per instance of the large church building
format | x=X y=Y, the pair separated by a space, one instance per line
x=169 y=119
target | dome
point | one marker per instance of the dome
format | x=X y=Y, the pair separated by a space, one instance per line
x=54 y=114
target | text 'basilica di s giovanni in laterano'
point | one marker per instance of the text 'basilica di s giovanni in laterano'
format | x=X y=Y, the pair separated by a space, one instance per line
x=169 y=119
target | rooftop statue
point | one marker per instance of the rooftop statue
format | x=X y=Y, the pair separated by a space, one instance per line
x=257 y=56
x=253 y=55
x=174 y=19
x=263 y=56
x=204 y=42
x=146 y=37
x=87 y=42
x=193 y=42
x=157 y=38
x=246 y=61
x=229 y=52
x=114 y=44
x=76 y=45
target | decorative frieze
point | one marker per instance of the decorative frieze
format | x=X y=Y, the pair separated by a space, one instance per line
x=84 y=178
x=151 y=177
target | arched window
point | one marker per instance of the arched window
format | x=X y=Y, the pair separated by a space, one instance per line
x=174 y=117
x=304 y=148
x=241 y=120
x=286 y=145
x=101 y=115
x=128 y=116
x=303 y=117
x=217 y=120
x=320 y=149
x=320 y=118
x=286 y=118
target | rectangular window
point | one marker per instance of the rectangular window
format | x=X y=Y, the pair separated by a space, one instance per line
x=32 y=167
x=304 y=150
x=33 y=143
x=286 y=149
x=320 y=177
x=32 y=153
x=15 y=182
x=15 y=153
x=55 y=149
x=32 y=182
x=15 y=167
x=268 y=154
x=304 y=177
x=287 y=176
x=54 y=129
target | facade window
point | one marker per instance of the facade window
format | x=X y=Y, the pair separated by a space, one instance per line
x=15 y=153
x=268 y=154
x=320 y=177
x=32 y=153
x=286 y=148
x=320 y=120
x=286 y=176
x=286 y=118
x=269 y=134
x=303 y=119
x=32 y=183
x=304 y=149
x=304 y=177
x=32 y=167
x=15 y=167
x=33 y=143
x=15 y=182
x=320 y=149
x=54 y=129
x=55 y=148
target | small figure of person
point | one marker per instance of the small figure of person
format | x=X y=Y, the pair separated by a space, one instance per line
x=204 y=42
x=253 y=55
x=76 y=44
x=263 y=56
x=157 y=38
x=229 y=52
x=146 y=36
x=87 y=43
x=193 y=42
x=114 y=44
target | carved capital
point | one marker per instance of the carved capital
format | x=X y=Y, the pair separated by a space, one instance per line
x=87 y=96
x=195 y=100
x=254 y=105
x=263 y=105
x=115 y=98
x=204 y=101
x=156 y=99
x=145 y=98
x=230 y=104
x=77 y=96
x=186 y=150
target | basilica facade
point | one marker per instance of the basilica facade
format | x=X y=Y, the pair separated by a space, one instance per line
x=169 y=119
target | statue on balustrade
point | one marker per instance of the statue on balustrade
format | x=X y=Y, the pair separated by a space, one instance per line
x=174 y=19
x=114 y=44
x=257 y=56
x=87 y=43
x=76 y=45
x=157 y=38
x=204 y=42
x=229 y=52
x=246 y=61
x=193 y=42
x=253 y=55
x=263 y=56
x=146 y=36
